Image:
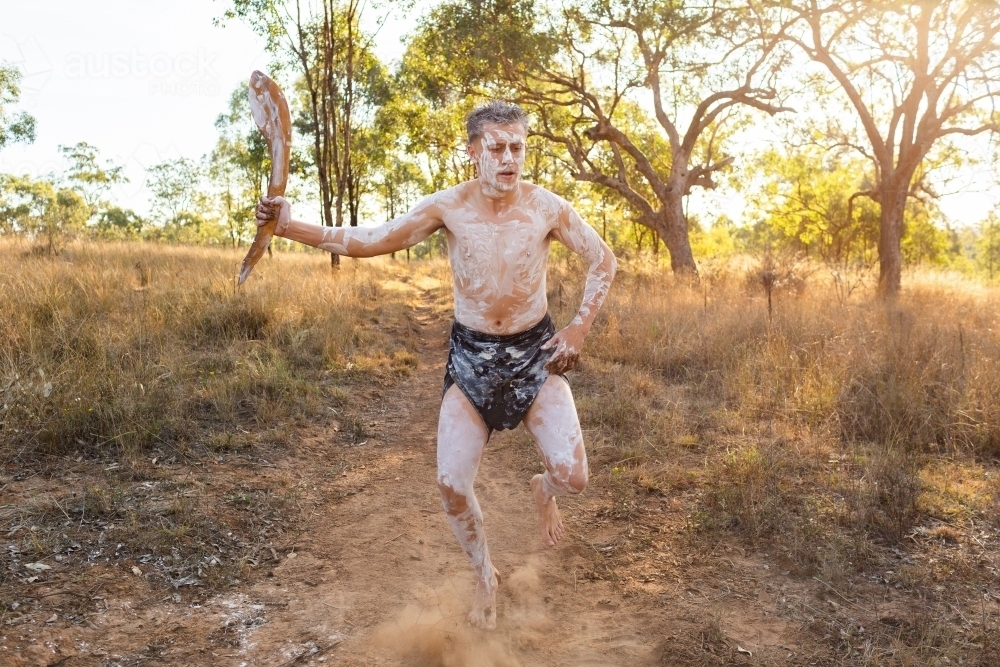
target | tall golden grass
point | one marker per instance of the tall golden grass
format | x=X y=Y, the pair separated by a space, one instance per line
x=116 y=348
x=822 y=415
x=920 y=373
x=844 y=438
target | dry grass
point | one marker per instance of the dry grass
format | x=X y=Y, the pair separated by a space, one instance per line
x=121 y=349
x=670 y=368
x=837 y=435
x=918 y=374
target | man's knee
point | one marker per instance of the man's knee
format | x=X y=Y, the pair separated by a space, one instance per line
x=572 y=481
x=453 y=496
x=577 y=481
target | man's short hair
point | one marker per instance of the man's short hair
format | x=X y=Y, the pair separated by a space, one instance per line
x=497 y=111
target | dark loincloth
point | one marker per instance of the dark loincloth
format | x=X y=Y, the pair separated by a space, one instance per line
x=500 y=375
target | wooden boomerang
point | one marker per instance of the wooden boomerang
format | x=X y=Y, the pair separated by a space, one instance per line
x=270 y=113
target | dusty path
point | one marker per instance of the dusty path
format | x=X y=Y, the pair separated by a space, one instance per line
x=382 y=580
x=375 y=578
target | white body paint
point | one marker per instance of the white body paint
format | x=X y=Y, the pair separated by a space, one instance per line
x=499 y=230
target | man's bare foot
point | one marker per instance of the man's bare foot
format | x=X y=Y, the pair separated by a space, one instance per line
x=484 y=605
x=550 y=523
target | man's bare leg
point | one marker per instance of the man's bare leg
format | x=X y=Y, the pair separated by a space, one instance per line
x=461 y=439
x=553 y=422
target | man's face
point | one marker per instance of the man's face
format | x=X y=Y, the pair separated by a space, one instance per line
x=499 y=154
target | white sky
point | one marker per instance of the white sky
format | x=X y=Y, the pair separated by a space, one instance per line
x=144 y=81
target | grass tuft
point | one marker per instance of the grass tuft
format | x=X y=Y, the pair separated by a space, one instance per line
x=233 y=319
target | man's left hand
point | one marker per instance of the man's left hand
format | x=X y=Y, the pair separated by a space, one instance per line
x=567 y=344
x=274 y=208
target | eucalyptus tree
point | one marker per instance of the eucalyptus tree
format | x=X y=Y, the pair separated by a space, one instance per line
x=174 y=185
x=41 y=210
x=399 y=181
x=640 y=95
x=644 y=94
x=181 y=205
x=339 y=84
x=89 y=177
x=915 y=76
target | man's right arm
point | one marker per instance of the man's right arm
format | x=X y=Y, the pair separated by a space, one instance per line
x=397 y=234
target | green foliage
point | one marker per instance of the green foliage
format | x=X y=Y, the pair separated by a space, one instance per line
x=119 y=224
x=717 y=241
x=182 y=208
x=87 y=176
x=51 y=210
x=41 y=210
x=238 y=168
x=924 y=241
x=192 y=227
x=435 y=132
x=92 y=180
x=174 y=184
x=817 y=204
x=987 y=247
x=399 y=186
x=14 y=127
x=811 y=203
x=474 y=48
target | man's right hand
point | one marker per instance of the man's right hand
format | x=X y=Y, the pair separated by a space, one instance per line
x=274 y=208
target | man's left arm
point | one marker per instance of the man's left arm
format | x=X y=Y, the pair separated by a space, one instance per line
x=578 y=236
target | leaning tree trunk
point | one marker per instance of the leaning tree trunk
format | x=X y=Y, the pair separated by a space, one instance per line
x=890 y=262
x=673 y=229
x=338 y=222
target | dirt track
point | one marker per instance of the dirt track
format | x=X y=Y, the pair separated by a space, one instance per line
x=382 y=580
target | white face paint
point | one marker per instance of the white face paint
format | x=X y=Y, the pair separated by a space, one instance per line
x=500 y=158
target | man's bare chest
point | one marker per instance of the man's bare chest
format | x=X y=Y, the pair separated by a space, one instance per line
x=516 y=239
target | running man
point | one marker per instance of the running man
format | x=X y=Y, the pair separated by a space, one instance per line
x=506 y=360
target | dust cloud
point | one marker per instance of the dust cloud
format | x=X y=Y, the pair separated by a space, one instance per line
x=432 y=630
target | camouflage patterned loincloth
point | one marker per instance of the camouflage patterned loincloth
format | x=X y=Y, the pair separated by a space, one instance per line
x=500 y=375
